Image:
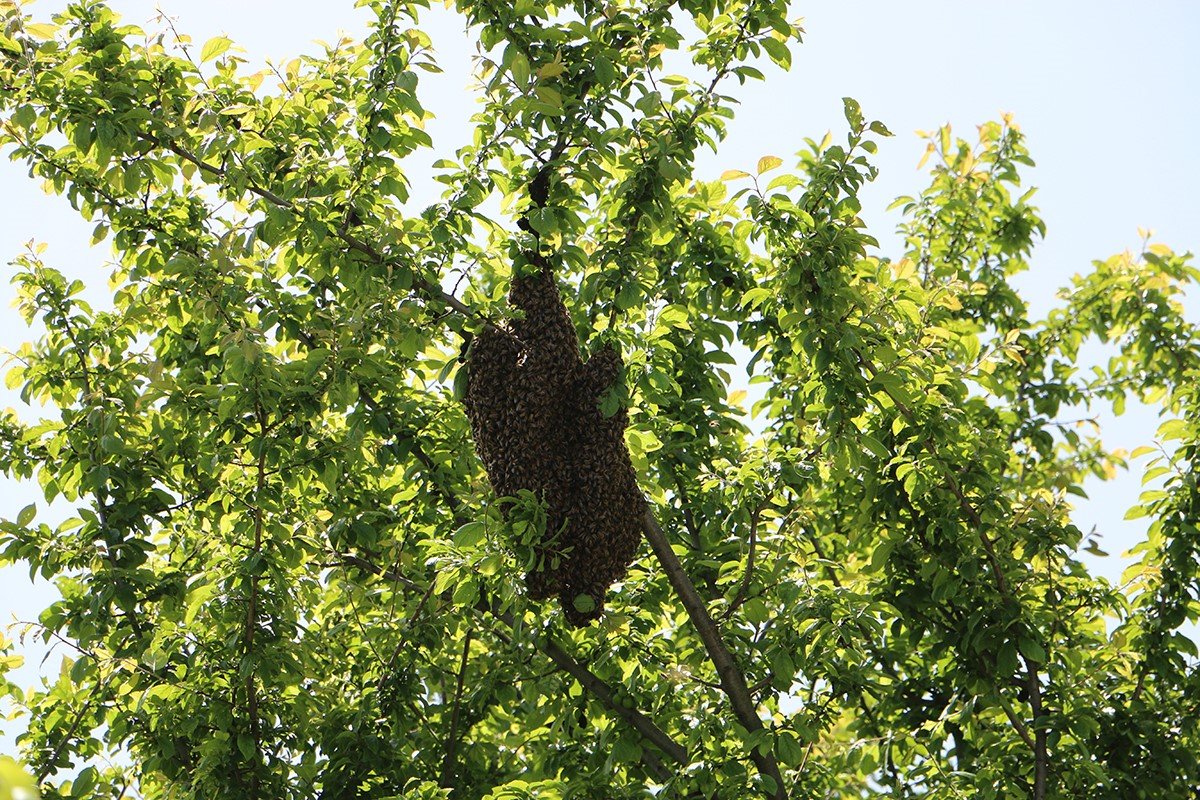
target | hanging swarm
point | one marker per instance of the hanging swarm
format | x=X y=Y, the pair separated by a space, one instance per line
x=535 y=418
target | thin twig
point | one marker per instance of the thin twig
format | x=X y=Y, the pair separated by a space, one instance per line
x=45 y=771
x=252 y=602
x=420 y=284
x=743 y=591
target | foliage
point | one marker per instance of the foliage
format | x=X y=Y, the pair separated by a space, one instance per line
x=286 y=577
x=15 y=783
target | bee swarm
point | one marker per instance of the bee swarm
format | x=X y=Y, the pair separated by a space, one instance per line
x=535 y=418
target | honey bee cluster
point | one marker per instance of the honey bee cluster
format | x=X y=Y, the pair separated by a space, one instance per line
x=533 y=404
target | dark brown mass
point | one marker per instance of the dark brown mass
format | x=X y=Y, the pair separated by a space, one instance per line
x=534 y=410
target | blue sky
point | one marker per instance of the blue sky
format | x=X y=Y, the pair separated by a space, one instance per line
x=1105 y=91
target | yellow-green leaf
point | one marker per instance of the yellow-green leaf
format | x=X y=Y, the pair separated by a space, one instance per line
x=214 y=47
x=41 y=30
x=15 y=782
x=768 y=163
x=929 y=148
x=1172 y=429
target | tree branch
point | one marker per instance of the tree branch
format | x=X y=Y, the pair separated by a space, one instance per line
x=1040 y=760
x=743 y=591
x=420 y=284
x=447 y=779
x=733 y=681
x=564 y=661
x=49 y=766
x=606 y=694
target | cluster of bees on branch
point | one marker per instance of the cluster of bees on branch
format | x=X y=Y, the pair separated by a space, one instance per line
x=533 y=405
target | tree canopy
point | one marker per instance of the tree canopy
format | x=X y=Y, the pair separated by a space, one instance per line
x=286 y=574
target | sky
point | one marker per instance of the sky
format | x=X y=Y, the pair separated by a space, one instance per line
x=1106 y=93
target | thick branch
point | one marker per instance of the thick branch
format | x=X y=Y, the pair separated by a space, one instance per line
x=733 y=682
x=606 y=694
x=564 y=661
x=447 y=780
x=1040 y=760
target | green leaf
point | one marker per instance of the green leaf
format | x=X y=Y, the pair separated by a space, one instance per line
x=880 y=555
x=550 y=96
x=753 y=298
x=784 y=182
x=520 y=71
x=84 y=782
x=674 y=316
x=245 y=744
x=778 y=51
x=465 y=592
x=470 y=534
x=459 y=387
x=756 y=611
x=875 y=446
x=1031 y=650
x=853 y=112
x=1006 y=659
x=81 y=669
x=41 y=30
x=1173 y=429
x=790 y=751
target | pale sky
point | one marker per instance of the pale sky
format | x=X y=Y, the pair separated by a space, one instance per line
x=1105 y=91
